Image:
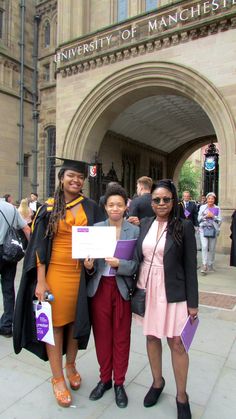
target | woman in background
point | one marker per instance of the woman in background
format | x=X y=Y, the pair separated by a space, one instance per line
x=209 y=215
x=25 y=211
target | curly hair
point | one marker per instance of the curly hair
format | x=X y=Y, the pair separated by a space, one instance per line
x=174 y=224
x=115 y=189
x=59 y=208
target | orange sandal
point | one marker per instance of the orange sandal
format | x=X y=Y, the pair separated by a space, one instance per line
x=63 y=397
x=74 y=378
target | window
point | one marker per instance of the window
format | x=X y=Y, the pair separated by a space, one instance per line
x=50 y=161
x=122 y=11
x=46 y=72
x=26 y=165
x=47 y=34
x=151 y=4
x=1 y=24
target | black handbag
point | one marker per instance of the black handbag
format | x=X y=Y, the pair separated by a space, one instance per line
x=13 y=250
x=138 y=298
x=138 y=301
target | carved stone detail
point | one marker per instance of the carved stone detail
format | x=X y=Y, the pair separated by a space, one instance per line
x=148 y=46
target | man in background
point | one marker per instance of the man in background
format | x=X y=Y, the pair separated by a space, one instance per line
x=33 y=203
x=8 y=269
x=188 y=209
x=140 y=206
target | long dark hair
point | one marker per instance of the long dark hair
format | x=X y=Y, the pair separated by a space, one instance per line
x=59 y=207
x=174 y=224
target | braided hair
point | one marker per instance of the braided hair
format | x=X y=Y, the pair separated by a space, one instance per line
x=59 y=208
x=174 y=224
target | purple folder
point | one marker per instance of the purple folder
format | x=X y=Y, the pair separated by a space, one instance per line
x=124 y=250
x=214 y=211
x=188 y=332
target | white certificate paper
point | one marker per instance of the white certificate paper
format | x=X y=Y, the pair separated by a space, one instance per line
x=93 y=242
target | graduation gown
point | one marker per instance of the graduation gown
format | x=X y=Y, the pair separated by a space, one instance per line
x=24 y=329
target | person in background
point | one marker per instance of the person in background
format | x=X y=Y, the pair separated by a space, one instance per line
x=49 y=267
x=110 y=302
x=25 y=211
x=209 y=214
x=140 y=206
x=233 y=238
x=202 y=201
x=188 y=208
x=8 y=198
x=102 y=199
x=166 y=250
x=8 y=269
x=33 y=202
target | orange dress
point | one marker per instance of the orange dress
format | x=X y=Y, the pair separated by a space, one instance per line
x=63 y=275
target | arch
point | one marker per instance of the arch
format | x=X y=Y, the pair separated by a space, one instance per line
x=135 y=82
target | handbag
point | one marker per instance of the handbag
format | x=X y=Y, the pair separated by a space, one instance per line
x=138 y=298
x=209 y=231
x=13 y=250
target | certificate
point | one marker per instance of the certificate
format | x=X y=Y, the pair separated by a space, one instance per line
x=93 y=242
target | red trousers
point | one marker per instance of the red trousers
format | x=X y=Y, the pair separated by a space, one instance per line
x=111 y=321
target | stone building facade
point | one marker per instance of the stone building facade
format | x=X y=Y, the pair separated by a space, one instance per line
x=137 y=86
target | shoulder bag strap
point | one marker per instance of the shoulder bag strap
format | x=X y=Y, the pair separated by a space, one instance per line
x=6 y=219
x=154 y=251
x=130 y=290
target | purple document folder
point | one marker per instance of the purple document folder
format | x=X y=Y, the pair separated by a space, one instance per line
x=124 y=250
x=214 y=211
x=188 y=332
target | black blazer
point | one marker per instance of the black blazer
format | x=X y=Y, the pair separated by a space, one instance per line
x=192 y=208
x=180 y=263
x=141 y=206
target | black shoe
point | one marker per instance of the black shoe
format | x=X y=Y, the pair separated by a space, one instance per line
x=100 y=389
x=121 y=396
x=153 y=395
x=6 y=333
x=183 y=409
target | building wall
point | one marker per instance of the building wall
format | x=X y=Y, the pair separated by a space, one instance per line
x=9 y=97
x=196 y=53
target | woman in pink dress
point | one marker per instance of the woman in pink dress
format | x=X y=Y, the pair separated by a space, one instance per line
x=166 y=249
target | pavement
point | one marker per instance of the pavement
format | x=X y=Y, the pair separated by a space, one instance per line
x=26 y=391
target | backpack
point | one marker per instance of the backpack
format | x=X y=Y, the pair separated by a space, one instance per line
x=13 y=250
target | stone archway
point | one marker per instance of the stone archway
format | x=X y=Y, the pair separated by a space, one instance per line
x=135 y=82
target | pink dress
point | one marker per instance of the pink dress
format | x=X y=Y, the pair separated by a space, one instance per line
x=161 y=318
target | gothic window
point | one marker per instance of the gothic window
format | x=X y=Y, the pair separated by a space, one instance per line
x=26 y=165
x=156 y=170
x=1 y=23
x=129 y=176
x=47 y=34
x=150 y=5
x=50 y=161
x=122 y=10
x=46 y=72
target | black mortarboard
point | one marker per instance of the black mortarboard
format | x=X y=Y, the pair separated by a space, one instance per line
x=77 y=165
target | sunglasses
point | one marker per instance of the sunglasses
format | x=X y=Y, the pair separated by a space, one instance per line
x=166 y=200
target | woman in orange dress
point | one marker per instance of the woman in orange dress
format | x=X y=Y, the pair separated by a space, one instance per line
x=57 y=272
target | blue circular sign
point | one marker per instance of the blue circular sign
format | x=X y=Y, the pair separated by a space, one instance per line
x=210 y=163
